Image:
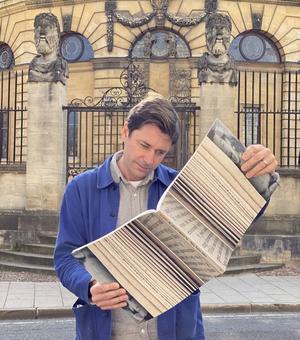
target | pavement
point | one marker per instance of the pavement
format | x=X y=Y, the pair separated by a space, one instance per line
x=244 y=293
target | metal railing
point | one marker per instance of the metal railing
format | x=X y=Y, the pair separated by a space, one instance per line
x=95 y=133
x=268 y=112
x=13 y=118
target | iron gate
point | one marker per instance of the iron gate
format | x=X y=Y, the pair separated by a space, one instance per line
x=268 y=112
x=94 y=129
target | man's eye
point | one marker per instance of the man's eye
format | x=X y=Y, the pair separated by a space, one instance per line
x=161 y=153
x=144 y=146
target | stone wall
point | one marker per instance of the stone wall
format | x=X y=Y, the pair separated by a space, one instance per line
x=280 y=21
x=286 y=200
x=13 y=189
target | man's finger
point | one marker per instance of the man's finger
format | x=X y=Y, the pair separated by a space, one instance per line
x=113 y=302
x=104 y=287
x=119 y=305
x=108 y=295
x=251 y=150
x=260 y=169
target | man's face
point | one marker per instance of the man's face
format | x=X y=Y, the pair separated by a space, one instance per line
x=144 y=150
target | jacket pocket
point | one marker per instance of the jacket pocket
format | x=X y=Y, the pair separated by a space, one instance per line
x=91 y=322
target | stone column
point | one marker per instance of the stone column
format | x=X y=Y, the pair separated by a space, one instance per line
x=217 y=101
x=217 y=75
x=46 y=149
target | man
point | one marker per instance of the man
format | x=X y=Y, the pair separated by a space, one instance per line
x=97 y=201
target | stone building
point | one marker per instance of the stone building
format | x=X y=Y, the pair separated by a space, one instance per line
x=116 y=48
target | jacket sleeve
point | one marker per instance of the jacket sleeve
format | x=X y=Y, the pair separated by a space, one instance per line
x=71 y=235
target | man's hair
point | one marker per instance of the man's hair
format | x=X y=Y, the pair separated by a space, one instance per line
x=157 y=110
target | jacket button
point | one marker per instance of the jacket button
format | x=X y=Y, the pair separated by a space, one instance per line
x=112 y=214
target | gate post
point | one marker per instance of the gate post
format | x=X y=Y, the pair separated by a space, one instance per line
x=46 y=150
x=217 y=75
x=47 y=126
x=217 y=101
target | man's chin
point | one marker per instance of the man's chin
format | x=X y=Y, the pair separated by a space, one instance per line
x=142 y=172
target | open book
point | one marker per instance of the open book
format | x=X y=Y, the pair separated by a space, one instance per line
x=162 y=256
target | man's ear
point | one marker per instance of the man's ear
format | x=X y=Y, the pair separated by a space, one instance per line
x=124 y=131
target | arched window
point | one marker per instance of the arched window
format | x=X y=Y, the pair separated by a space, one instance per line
x=160 y=44
x=75 y=47
x=6 y=57
x=254 y=47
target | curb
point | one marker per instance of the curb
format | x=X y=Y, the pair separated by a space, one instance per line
x=36 y=313
x=250 y=308
x=66 y=312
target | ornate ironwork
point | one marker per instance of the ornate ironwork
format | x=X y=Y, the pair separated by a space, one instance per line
x=6 y=57
x=132 y=90
x=180 y=85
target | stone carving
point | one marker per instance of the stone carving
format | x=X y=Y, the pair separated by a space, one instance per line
x=216 y=65
x=110 y=7
x=48 y=65
x=171 y=40
x=67 y=23
x=160 y=8
x=185 y=21
x=149 y=39
x=160 y=13
x=133 y=22
x=256 y=20
x=211 y=6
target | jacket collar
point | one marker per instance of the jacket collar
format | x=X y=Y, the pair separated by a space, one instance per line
x=104 y=177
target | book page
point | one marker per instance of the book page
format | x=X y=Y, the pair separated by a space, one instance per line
x=211 y=203
x=87 y=257
x=154 y=276
x=198 y=231
x=182 y=246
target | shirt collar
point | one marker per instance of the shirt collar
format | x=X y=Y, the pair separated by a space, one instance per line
x=117 y=174
x=105 y=177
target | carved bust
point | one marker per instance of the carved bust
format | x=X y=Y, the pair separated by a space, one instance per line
x=216 y=65
x=48 y=65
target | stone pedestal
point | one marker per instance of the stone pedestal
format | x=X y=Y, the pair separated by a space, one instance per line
x=46 y=150
x=217 y=101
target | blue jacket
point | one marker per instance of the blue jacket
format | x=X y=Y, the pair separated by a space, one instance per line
x=89 y=210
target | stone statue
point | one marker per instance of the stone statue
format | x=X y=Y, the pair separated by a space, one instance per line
x=148 y=43
x=216 y=65
x=48 y=65
x=171 y=40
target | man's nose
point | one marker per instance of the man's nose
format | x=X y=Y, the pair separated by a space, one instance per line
x=149 y=157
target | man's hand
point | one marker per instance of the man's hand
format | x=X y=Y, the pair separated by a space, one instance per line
x=108 y=295
x=258 y=160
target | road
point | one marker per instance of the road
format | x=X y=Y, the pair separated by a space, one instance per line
x=276 y=326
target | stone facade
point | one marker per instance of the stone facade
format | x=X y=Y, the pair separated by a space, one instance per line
x=112 y=42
